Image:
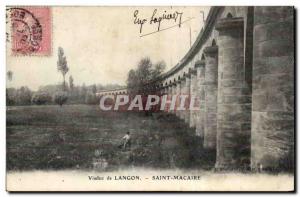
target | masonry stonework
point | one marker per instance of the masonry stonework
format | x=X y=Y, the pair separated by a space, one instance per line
x=272 y=136
x=244 y=84
x=200 y=122
x=193 y=90
x=187 y=91
x=211 y=91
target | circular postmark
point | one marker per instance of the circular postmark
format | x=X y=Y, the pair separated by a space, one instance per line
x=26 y=31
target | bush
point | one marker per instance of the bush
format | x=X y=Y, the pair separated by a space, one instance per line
x=21 y=96
x=10 y=96
x=91 y=99
x=41 y=98
x=24 y=96
x=60 y=98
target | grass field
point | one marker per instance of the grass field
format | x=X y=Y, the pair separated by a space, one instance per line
x=53 y=137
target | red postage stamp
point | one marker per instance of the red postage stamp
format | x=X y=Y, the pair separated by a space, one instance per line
x=31 y=30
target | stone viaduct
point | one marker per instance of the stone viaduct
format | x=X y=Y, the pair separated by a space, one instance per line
x=241 y=67
x=113 y=92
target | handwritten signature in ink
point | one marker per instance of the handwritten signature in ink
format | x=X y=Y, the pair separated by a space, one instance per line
x=157 y=19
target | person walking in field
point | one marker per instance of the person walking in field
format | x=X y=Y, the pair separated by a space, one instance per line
x=126 y=141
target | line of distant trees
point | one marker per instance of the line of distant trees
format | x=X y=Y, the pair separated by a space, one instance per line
x=52 y=94
x=56 y=94
x=65 y=92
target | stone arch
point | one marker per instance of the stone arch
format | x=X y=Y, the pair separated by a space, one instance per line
x=213 y=43
x=202 y=57
x=229 y=15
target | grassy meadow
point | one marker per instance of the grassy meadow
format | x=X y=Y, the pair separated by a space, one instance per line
x=72 y=136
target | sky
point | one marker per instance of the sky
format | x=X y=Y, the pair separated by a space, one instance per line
x=102 y=44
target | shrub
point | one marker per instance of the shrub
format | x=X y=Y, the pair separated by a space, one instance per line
x=41 y=98
x=91 y=99
x=24 y=96
x=60 y=98
x=10 y=96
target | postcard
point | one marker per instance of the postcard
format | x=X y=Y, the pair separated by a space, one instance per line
x=160 y=98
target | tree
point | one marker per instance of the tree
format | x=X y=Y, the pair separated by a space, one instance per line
x=100 y=87
x=60 y=98
x=144 y=70
x=62 y=65
x=94 y=89
x=23 y=96
x=71 y=83
x=144 y=73
x=41 y=98
x=141 y=75
x=91 y=99
x=11 y=96
x=132 y=80
x=9 y=75
x=50 y=89
x=82 y=93
x=159 y=68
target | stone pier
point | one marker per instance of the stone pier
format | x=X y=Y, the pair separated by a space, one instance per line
x=200 y=93
x=234 y=97
x=187 y=90
x=173 y=93
x=273 y=89
x=178 y=90
x=211 y=91
x=182 y=92
x=193 y=94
